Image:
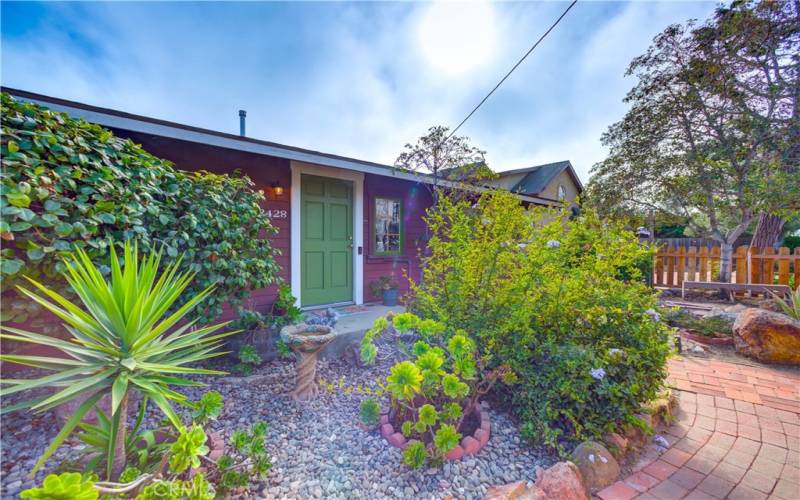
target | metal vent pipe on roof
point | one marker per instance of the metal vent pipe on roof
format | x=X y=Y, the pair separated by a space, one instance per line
x=242 y=115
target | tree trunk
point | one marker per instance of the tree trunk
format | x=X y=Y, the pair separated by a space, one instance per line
x=726 y=252
x=119 y=446
x=768 y=231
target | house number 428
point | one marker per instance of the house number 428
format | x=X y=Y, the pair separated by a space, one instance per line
x=277 y=214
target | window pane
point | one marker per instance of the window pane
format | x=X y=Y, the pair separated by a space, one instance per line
x=387 y=225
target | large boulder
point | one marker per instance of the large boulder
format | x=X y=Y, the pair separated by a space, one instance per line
x=767 y=336
x=560 y=482
x=598 y=466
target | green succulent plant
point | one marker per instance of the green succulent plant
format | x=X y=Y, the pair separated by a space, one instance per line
x=405 y=380
x=188 y=448
x=208 y=407
x=453 y=387
x=415 y=454
x=370 y=412
x=66 y=486
x=249 y=355
x=404 y=322
x=790 y=306
x=446 y=438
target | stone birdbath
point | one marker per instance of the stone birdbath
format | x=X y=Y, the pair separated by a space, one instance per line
x=306 y=341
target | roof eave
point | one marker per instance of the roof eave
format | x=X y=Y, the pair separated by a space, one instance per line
x=154 y=126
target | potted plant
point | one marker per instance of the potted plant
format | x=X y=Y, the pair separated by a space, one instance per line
x=385 y=288
x=434 y=409
x=257 y=335
x=284 y=309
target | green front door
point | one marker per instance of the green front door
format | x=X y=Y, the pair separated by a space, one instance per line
x=326 y=247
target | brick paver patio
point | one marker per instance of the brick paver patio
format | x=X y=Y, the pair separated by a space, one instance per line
x=737 y=436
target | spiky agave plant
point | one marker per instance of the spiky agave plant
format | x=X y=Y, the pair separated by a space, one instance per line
x=122 y=334
x=791 y=306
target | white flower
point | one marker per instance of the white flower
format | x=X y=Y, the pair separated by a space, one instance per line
x=553 y=244
x=653 y=315
x=614 y=351
x=522 y=246
x=597 y=373
x=660 y=441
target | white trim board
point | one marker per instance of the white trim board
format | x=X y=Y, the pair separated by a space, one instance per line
x=181 y=132
x=357 y=178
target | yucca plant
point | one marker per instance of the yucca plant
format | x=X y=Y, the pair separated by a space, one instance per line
x=123 y=334
x=790 y=306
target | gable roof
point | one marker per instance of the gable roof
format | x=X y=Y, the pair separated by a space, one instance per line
x=137 y=123
x=538 y=177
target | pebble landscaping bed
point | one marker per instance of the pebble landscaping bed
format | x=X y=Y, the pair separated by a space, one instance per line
x=318 y=449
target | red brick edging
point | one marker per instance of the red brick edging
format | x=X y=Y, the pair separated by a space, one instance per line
x=470 y=445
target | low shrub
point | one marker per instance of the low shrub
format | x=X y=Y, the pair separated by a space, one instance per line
x=560 y=301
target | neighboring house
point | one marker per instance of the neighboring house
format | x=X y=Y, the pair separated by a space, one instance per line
x=342 y=223
x=552 y=181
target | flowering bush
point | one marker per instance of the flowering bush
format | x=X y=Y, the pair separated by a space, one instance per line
x=433 y=395
x=560 y=301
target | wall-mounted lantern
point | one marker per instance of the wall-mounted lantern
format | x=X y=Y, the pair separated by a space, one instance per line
x=277 y=188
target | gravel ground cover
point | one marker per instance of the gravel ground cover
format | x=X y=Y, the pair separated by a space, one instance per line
x=318 y=449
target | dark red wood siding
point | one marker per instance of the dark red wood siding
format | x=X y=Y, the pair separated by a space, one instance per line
x=416 y=199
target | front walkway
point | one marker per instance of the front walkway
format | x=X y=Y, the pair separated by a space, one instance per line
x=737 y=436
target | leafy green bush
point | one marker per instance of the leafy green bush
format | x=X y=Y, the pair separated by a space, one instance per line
x=431 y=396
x=560 y=301
x=68 y=184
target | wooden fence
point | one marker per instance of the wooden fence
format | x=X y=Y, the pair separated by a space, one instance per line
x=673 y=265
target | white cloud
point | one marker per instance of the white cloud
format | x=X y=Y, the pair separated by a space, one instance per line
x=350 y=78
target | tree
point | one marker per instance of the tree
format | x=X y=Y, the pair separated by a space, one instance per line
x=760 y=42
x=700 y=139
x=451 y=162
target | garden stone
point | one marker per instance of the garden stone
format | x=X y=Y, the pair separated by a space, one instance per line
x=767 y=336
x=617 y=444
x=562 y=481
x=597 y=465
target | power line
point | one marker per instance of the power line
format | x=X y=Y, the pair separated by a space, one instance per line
x=515 y=67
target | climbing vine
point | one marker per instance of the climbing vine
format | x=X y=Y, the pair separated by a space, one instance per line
x=69 y=184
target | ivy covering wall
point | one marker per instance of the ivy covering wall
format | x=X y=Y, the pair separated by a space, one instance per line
x=68 y=184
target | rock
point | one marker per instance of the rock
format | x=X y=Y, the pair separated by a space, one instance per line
x=514 y=491
x=563 y=481
x=662 y=409
x=598 y=466
x=617 y=444
x=767 y=336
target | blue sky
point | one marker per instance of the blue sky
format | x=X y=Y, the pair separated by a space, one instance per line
x=356 y=79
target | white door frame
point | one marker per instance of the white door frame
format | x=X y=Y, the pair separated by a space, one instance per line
x=357 y=178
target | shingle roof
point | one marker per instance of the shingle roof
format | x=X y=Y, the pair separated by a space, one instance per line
x=539 y=176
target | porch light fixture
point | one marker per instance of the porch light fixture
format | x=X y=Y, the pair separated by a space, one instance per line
x=277 y=188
